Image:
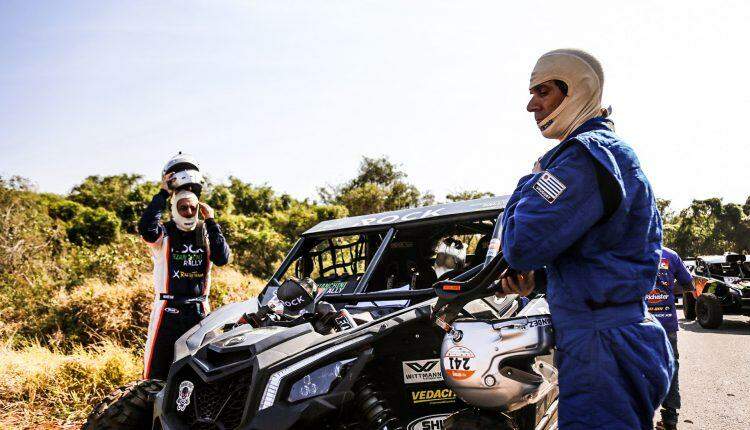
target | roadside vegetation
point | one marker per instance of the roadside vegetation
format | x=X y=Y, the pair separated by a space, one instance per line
x=75 y=279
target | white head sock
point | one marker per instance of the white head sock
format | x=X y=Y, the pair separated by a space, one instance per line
x=583 y=75
x=183 y=223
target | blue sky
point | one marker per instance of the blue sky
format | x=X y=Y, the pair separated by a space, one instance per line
x=293 y=94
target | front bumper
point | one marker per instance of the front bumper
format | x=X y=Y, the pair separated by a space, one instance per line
x=230 y=400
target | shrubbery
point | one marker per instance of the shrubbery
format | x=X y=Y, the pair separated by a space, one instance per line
x=94 y=227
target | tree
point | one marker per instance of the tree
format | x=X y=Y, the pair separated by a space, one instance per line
x=708 y=227
x=249 y=199
x=379 y=186
x=255 y=245
x=126 y=195
x=94 y=227
x=468 y=195
x=221 y=199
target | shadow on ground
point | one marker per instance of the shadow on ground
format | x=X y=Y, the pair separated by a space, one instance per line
x=741 y=327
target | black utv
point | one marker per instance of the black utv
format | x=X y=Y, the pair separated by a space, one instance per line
x=361 y=352
x=722 y=287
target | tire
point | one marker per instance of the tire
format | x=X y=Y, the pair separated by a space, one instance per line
x=688 y=305
x=129 y=407
x=708 y=311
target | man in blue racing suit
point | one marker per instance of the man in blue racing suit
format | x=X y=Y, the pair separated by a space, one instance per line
x=587 y=215
x=673 y=278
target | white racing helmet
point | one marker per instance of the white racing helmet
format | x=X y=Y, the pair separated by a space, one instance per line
x=450 y=255
x=187 y=175
x=181 y=162
x=191 y=180
x=495 y=364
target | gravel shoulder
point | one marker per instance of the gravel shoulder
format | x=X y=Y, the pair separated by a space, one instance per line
x=715 y=375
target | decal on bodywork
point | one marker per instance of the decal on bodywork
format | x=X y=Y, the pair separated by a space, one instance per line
x=183 y=395
x=418 y=371
x=459 y=362
x=430 y=422
x=438 y=395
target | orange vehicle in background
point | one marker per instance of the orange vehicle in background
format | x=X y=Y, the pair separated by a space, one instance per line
x=722 y=287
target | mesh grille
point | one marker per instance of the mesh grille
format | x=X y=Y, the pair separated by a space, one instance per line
x=213 y=406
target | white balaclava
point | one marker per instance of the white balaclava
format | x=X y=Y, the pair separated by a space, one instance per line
x=184 y=224
x=583 y=75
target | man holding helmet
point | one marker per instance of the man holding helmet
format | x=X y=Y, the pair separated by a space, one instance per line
x=183 y=250
x=588 y=215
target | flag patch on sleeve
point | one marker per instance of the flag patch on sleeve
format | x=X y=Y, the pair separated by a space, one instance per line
x=549 y=187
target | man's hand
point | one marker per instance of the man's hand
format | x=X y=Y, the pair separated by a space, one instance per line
x=165 y=182
x=522 y=284
x=207 y=211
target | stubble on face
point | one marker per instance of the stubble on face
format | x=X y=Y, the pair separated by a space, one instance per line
x=545 y=98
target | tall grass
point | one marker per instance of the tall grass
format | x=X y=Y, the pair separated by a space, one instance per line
x=73 y=318
x=40 y=385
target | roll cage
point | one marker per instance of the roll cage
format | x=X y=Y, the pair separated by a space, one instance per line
x=386 y=256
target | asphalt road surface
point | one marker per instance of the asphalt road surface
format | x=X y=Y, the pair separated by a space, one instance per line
x=715 y=375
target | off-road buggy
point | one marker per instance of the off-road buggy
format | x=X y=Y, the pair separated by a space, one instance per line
x=722 y=287
x=367 y=352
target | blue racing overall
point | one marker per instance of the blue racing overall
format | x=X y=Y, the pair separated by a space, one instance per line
x=590 y=219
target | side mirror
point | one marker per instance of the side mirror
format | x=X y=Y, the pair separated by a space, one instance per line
x=295 y=294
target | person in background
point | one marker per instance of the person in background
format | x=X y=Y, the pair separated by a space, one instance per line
x=671 y=280
x=183 y=250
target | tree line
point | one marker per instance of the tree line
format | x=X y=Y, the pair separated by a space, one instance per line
x=261 y=224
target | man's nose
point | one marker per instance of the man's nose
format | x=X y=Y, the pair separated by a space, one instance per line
x=532 y=106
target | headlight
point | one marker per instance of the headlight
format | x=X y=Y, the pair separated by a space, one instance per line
x=274 y=382
x=318 y=382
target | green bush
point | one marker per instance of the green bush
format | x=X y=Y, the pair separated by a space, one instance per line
x=65 y=210
x=221 y=199
x=255 y=245
x=94 y=227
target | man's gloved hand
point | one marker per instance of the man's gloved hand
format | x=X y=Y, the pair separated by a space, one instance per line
x=165 y=180
x=207 y=212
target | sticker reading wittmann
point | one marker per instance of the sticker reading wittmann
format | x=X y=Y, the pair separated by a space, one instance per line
x=549 y=187
x=418 y=371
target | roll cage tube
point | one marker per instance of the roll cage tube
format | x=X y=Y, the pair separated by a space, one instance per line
x=494 y=246
x=373 y=264
x=290 y=257
x=396 y=295
x=453 y=294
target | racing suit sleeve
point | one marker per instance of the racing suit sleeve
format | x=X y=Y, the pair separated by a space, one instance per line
x=220 y=252
x=682 y=276
x=150 y=226
x=547 y=214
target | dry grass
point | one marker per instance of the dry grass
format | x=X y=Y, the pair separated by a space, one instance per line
x=54 y=386
x=45 y=388
x=228 y=285
x=96 y=312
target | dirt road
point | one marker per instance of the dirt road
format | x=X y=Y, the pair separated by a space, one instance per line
x=715 y=375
